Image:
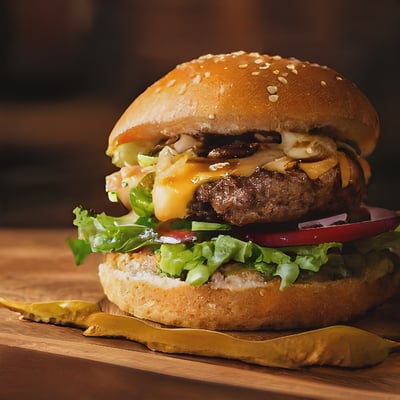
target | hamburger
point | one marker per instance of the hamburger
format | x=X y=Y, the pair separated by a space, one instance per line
x=244 y=177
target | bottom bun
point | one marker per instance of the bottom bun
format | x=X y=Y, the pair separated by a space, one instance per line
x=242 y=300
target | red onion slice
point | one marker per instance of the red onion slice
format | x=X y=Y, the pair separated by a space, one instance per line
x=376 y=213
x=323 y=221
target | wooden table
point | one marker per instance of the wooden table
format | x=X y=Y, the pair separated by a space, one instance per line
x=46 y=361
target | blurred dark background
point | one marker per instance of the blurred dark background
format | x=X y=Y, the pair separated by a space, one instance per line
x=70 y=67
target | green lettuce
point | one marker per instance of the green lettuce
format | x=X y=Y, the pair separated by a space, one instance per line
x=100 y=233
x=386 y=240
x=201 y=260
x=196 y=261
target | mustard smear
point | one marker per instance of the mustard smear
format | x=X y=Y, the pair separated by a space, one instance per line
x=64 y=312
x=337 y=345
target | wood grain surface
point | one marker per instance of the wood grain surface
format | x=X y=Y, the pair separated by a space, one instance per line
x=40 y=361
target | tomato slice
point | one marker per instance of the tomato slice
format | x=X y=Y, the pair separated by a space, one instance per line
x=333 y=233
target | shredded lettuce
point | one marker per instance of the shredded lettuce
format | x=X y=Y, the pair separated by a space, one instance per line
x=206 y=257
x=209 y=226
x=198 y=226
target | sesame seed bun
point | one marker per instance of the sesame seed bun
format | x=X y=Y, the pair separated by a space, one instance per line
x=230 y=94
x=242 y=301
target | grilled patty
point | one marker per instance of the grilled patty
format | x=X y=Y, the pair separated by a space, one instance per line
x=273 y=197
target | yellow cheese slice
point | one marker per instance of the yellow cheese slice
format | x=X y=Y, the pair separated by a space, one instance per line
x=315 y=169
x=178 y=177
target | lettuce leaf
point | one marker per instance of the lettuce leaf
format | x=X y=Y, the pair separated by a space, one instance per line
x=102 y=234
x=80 y=249
x=386 y=240
x=196 y=262
x=203 y=259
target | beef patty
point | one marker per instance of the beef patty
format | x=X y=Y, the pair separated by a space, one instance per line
x=273 y=197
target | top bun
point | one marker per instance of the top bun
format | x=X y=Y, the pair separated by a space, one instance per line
x=230 y=94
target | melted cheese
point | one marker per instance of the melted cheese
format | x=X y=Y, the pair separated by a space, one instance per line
x=345 y=169
x=178 y=177
x=315 y=169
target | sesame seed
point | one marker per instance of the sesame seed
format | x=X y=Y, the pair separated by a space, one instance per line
x=272 y=89
x=273 y=98
x=265 y=66
x=258 y=61
x=206 y=57
x=211 y=116
x=243 y=65
x=276 y=57
x=237 y=53
x=204 y=126
x=222 y=89
x=275 y=71
x=339 y=78
x=219 y=58
x=254 y=54
x=323 y=83
x=294 y=71
x=158 y=89
x=255 y=73
x=196 y=79
x=225 y=67
x=182 y=89
x=207 y=74
x=281 y=79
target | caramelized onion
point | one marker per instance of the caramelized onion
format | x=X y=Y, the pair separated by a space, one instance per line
x=304 y=146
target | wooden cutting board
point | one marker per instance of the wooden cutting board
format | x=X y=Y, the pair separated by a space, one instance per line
x=46 y=361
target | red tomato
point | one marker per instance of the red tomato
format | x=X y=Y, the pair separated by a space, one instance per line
x=333 y=233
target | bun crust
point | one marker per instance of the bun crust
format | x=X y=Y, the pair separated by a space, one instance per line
x=129 y=281
x=230 y=94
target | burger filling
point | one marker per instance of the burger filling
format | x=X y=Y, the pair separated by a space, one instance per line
x=194 y=199
x=258 y=177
